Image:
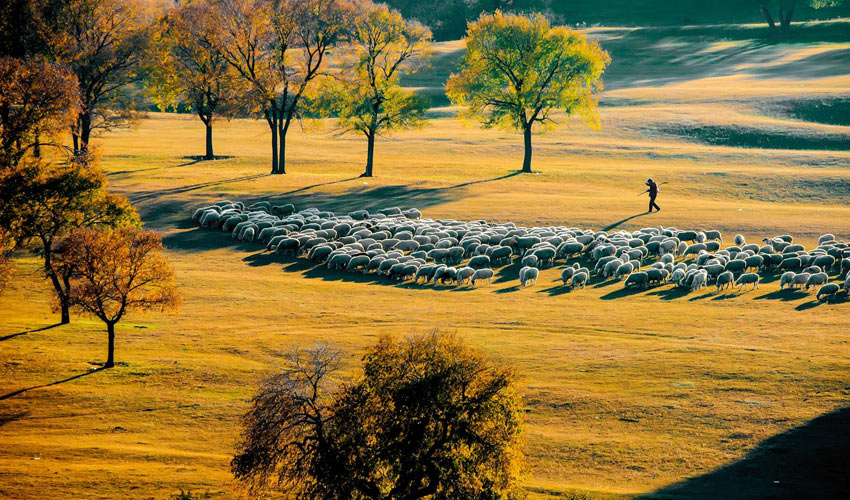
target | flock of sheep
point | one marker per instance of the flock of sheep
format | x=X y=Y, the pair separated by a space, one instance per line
x=401 y=245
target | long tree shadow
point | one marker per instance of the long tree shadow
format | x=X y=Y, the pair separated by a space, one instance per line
x=140 y=196
x=74 y=377
x=808 y=462
x=43 y=328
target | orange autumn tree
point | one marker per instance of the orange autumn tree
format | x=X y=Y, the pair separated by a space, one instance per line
x=117 y=271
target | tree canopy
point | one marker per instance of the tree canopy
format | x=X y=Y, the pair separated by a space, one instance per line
x=428 y=417
x=278 y=48
x=116 y=271
x=186 y=70
x=42 y=201
x=38 y=101
x=518 y=70
x=366 y=94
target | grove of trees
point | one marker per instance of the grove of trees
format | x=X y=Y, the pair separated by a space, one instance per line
x=425 y=417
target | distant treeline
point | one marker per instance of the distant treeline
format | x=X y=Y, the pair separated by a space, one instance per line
x=447 y=18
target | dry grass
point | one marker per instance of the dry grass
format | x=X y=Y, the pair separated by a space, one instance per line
x=625 y=393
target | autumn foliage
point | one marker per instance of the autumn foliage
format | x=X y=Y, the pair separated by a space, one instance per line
x=116 y=271
x=428 y=417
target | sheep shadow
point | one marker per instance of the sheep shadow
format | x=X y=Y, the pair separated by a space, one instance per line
x=622 y=293
x=262 y=259
x=199 y=239
x=508 y=273
x=704 y=296
x=557 y=290
x=671 y=293
x=785 y=295
x=509 y=289
x=805 y=306
x=602 y=283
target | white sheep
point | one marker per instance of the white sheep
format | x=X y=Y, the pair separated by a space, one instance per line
x=699 y=280
x=528 y=275
x=464 y=274
x=740 y=240
x=747 y=279
x=724 y=280
x=567 y=274
x=579 y=280
x=787 y=279
x=817 y=280
x=485 y=275
x=826 y=237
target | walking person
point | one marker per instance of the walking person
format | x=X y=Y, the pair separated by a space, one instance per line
x=653 y=193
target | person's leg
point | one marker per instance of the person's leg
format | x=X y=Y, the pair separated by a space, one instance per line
x=657 y=208
x=650 y=205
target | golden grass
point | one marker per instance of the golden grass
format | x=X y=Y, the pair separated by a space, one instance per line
x=625 y=393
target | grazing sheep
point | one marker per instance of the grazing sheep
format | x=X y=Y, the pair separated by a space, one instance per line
x=791 y=264
x=579 y=280
x=464 y=274
x=826 y=237
x=713 y=235
x=358 y=262
x=485 y=275
x=479 y=262
x=624 y=269
x=747 y=279
x=799 y=280
x=501 y=256
x=639 y=280
x=567 y=274
x=754 y=262
x=546 y=255
x=338 y=261
x=528 y=276
x=445 y=276
x=699 y=280
x=611 y=268
x=724 y=280
x=530 y=261
x=827 y=292
x=787 y=279
x=740 y=240
x=824 y=261
x=816 y=280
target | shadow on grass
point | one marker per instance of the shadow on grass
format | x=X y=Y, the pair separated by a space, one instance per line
x=557 y=290
x=43 y=328
x=74 y=377
x=141 y=196
x=810 y=461
x=621 y=293
x=8 y=418
x=785 y=295
x=614 y=225
x=671 y=293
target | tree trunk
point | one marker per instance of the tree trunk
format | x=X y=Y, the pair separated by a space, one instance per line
x=110 y=356
x=36 y=147
x=370 y=154
x=271 y=119
x=209 y=153
x=785 y=19
x=766 y=11
x=65 y=312
x=282 y=128
x=526 y=161
x=84 y=132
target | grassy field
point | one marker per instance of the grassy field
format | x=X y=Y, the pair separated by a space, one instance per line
x=655 y=393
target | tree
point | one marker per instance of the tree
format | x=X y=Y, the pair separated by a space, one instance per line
x=40 y=202
x=518 y=70
x=785 y=11
x=5 y=259
x=116 y=271
x=429 y=417
x=366 y=93
x=186 y=69
x=37 y=101
x=278 y=48
x=102 y=42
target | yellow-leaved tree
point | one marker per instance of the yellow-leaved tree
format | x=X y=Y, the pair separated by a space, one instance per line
x=519 y=70
x=117 y=271
x=366 y=94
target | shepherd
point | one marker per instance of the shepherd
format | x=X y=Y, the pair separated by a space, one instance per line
x=653 y=193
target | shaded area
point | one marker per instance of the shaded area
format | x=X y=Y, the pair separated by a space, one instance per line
x=827 y=110
x=614 y=225
x=74 y=377
x=140 y=196
x=808 y=462
x=43 y=328
x=754 y=137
